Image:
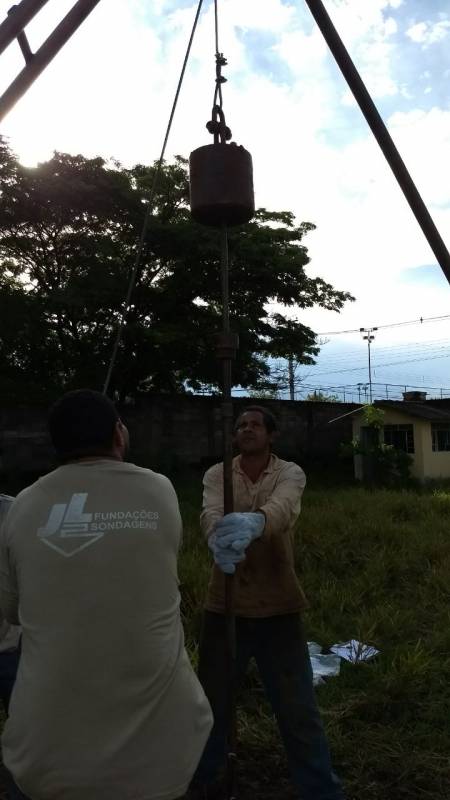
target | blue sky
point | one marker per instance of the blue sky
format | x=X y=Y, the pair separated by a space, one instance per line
x=110 y=90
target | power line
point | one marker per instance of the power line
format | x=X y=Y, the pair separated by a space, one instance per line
x=390 y=325
x=428 y=355
x=378 y=366
x=344 y=355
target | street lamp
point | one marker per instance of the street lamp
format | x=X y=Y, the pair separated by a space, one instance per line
x=368 y=335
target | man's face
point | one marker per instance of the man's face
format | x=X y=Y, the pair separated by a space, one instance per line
x=251 y=435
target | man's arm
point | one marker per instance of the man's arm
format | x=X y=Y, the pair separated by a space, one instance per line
x=212 y=508
x=9 y=598
x=282 y=509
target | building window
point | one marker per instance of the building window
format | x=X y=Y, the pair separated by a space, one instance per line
x=400 y=436
x=440 y=436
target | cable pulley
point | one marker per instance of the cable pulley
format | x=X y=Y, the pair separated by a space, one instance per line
x=221 y=174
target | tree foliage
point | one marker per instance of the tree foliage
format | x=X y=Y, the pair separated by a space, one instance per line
x=68 y=236
x=321 y=397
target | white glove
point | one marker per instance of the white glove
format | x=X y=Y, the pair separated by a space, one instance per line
x=238 y=529
x=225 y=557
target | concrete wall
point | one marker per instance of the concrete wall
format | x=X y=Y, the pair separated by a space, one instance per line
x=180 y=431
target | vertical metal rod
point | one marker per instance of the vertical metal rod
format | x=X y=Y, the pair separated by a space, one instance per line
x=227 y=427
x=18 y=16
x=381 y=134
x=45 y=54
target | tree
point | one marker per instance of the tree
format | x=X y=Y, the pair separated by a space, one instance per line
x=321 y=397
x=68 y=236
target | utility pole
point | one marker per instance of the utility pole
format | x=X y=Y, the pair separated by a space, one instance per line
x=291 y=378
x=369 y=337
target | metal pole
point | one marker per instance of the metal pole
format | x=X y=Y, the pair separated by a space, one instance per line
x=227 y=349
x=45 y=54
x=370 y=371
x=18 y=16
x=381 y=134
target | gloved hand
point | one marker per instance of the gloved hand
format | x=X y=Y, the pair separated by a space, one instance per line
x=225 y=557
x=238 y=529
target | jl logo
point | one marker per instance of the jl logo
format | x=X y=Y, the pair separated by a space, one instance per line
x=67 y=529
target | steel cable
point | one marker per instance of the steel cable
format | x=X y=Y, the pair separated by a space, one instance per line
x=137 y=263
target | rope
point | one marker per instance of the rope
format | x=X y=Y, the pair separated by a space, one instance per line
x=220 y=62
x=216 y=23
x=148 y=213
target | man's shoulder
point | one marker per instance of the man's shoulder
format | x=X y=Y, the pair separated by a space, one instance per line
x=215 y=471
x=287 y=467
x=6 y=499
x=5 y=502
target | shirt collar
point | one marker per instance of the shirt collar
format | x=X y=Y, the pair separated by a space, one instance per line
x=271 y=466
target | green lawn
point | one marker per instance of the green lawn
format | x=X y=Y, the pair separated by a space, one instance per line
x=376 y=567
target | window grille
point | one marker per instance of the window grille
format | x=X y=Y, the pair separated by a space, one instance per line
x=440 y=436
x=400 y=436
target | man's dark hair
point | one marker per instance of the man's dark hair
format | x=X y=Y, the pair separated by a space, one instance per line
x=81 y=423
x=269 y=419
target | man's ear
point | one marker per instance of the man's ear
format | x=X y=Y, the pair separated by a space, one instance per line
x=119 y=436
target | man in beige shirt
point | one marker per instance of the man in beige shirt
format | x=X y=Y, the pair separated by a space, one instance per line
x=256 y=544
x=106 y=705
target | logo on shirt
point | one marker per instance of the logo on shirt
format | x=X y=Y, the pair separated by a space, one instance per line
x=70 y=529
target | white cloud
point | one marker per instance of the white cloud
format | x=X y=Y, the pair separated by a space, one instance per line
x=262 y=15
x=428 y=33
x=368 y=35
x=429 y=164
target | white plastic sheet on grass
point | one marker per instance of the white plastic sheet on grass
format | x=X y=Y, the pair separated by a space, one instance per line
x=323 y=666
x=327 y=665
x=354 y=651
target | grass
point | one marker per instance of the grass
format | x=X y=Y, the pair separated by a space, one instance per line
x=376 y=567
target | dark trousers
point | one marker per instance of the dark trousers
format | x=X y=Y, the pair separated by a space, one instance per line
x=279 y=647
x=14 y=792
x=9 y=662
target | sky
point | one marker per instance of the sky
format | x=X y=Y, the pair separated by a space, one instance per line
x=110 y=90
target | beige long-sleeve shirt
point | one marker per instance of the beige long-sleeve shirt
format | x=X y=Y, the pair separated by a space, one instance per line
x=106 y=705
x=265 y=583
